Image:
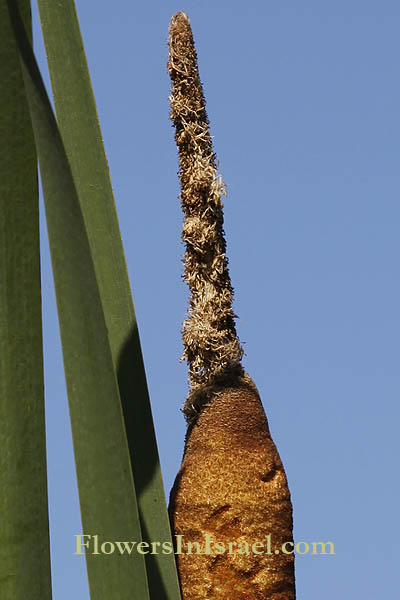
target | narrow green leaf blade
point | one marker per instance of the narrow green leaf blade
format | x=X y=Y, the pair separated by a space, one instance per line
x=106 y=488
x=79 y=126
x=24 y=528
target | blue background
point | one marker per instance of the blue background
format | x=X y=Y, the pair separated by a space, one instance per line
x=304 y=101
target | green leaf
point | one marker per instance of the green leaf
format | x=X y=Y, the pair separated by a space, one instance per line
x=24 y=530
x=79 y=126
x=105 y=482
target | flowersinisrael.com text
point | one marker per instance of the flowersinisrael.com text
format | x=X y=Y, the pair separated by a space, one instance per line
x=94 y=545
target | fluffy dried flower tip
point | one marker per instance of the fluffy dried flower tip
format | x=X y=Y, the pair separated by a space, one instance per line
x=212 y=348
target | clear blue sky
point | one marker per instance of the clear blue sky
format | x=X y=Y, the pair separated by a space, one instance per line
x=304 y=104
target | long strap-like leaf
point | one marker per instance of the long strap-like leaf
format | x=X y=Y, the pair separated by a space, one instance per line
x=106 y=489
x=79 y=126
x=24 y=532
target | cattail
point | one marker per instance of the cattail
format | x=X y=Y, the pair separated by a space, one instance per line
x=230 y=506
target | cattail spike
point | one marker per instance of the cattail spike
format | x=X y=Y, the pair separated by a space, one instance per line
x=231 y=490
x=212 y=348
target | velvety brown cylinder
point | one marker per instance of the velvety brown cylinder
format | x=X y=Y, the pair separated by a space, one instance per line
x=232 y=488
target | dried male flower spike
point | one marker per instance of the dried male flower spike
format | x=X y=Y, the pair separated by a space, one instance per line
x=231 y=488
x=212 y=348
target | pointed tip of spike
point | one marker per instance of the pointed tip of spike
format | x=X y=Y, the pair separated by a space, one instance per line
x=179 y=22
x=180 y=16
